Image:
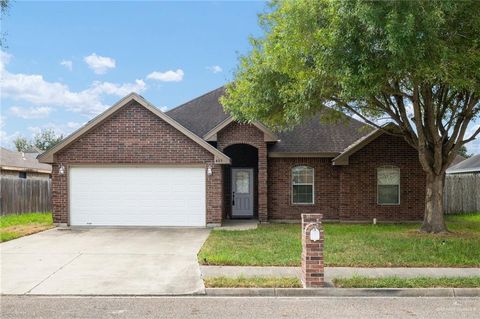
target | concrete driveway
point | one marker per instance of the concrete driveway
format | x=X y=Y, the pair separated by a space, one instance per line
x=104 y=261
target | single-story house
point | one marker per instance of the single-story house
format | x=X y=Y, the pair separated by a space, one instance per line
x=470 y=165
x=456 y=160
x=134 y=165
x=22 y=165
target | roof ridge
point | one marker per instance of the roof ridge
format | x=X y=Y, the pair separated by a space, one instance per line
x=194 y=99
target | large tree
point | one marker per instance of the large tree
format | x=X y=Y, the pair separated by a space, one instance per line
x=413 y=63
x=4 y=5
x=42 y=141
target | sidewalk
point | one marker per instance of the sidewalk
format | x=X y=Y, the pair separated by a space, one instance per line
x=336 y=272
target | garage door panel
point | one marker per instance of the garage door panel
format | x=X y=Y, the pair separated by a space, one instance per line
x=137 y=196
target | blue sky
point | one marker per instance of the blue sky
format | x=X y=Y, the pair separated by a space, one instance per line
x=68 y=61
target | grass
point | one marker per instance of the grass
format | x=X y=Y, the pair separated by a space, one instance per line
x=417 y=282
x=15 y=226
x=252 y=282
x=354 y=245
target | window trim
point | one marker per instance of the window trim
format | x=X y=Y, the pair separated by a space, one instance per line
x=292 y=184
x=399 y=185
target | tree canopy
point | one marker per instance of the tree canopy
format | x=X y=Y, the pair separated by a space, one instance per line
x=414 y=63
x=42 y=141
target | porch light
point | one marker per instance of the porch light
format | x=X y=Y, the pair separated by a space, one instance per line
x=209 y=170
x=61 y=170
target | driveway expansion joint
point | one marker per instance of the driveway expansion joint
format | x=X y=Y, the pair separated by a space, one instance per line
x=49 y=276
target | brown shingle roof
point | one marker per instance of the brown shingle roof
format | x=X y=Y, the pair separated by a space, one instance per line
x=470 y=165
x=457 y=159
x=24 y=162
x=202 y=114
x=313 y=136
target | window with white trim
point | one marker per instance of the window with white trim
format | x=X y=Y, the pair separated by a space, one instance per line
x=302 y=185
x=388 y=185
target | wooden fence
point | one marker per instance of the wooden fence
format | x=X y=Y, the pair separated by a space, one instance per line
x=25 y=195
x=462 y=193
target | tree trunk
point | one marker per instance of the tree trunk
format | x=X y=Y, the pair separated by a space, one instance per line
x=433 y=221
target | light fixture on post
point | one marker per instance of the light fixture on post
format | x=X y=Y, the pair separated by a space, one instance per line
x=209 y=170
x=314 y=233
x=61 y=170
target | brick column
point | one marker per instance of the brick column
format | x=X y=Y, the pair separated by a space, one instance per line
x=312 y=253
x=214 y=195
x=60 y=195
x=262 y=184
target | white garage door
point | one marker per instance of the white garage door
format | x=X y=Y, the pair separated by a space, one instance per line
x=137 y=196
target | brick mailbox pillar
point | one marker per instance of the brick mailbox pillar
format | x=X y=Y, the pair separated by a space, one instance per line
x=312 y=252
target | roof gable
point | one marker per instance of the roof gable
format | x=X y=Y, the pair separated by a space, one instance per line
x=211 y=136
x=343 y=158
x=47 y=157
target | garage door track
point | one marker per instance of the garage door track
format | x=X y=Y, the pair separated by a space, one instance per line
x=104 y=261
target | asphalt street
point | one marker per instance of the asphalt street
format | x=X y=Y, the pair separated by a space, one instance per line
x=236 y=307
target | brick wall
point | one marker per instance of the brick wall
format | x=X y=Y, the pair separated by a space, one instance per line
x=350 y=192
x=237 y=133
x=134 y=135
x=326 y=188
x=358 y=190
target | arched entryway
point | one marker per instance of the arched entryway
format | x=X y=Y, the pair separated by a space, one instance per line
x=241 y=181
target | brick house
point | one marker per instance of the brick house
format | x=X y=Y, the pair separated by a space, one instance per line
x=134 y=165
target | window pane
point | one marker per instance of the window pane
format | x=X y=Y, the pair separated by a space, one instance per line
x=302 y=194
x=302 y=175
x=388 y=176
x=242 y=182
x=388 y=194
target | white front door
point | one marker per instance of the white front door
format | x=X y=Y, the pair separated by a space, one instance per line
x=242 y=192
x=137 y=196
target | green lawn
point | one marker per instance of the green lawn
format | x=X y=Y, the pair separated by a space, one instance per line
x=252 y=282
x=359 y=245
x=417 y=282
x=14 y=226
x=354 y=282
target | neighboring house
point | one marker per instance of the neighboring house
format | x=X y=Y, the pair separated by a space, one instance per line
x=23 y=165
x=456 y=160
x=195 y=166
x=468 y=166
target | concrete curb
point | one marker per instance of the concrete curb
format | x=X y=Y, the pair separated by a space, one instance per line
x=344 y=292
x=296 y=292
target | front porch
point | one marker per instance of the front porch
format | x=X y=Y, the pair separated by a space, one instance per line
x=246 y=176
x=241 y=182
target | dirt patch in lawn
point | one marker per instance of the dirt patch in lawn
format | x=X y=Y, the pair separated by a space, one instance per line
x=24 y=230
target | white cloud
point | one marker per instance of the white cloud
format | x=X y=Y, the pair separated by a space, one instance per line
x=34 y=89
x=31 y=112
x=4 y=59
x=99 y=64
x=67 y=64
x=215 y=69
x=164 y=108
x=167 y=76
x=6 y=140
x=99 y=88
